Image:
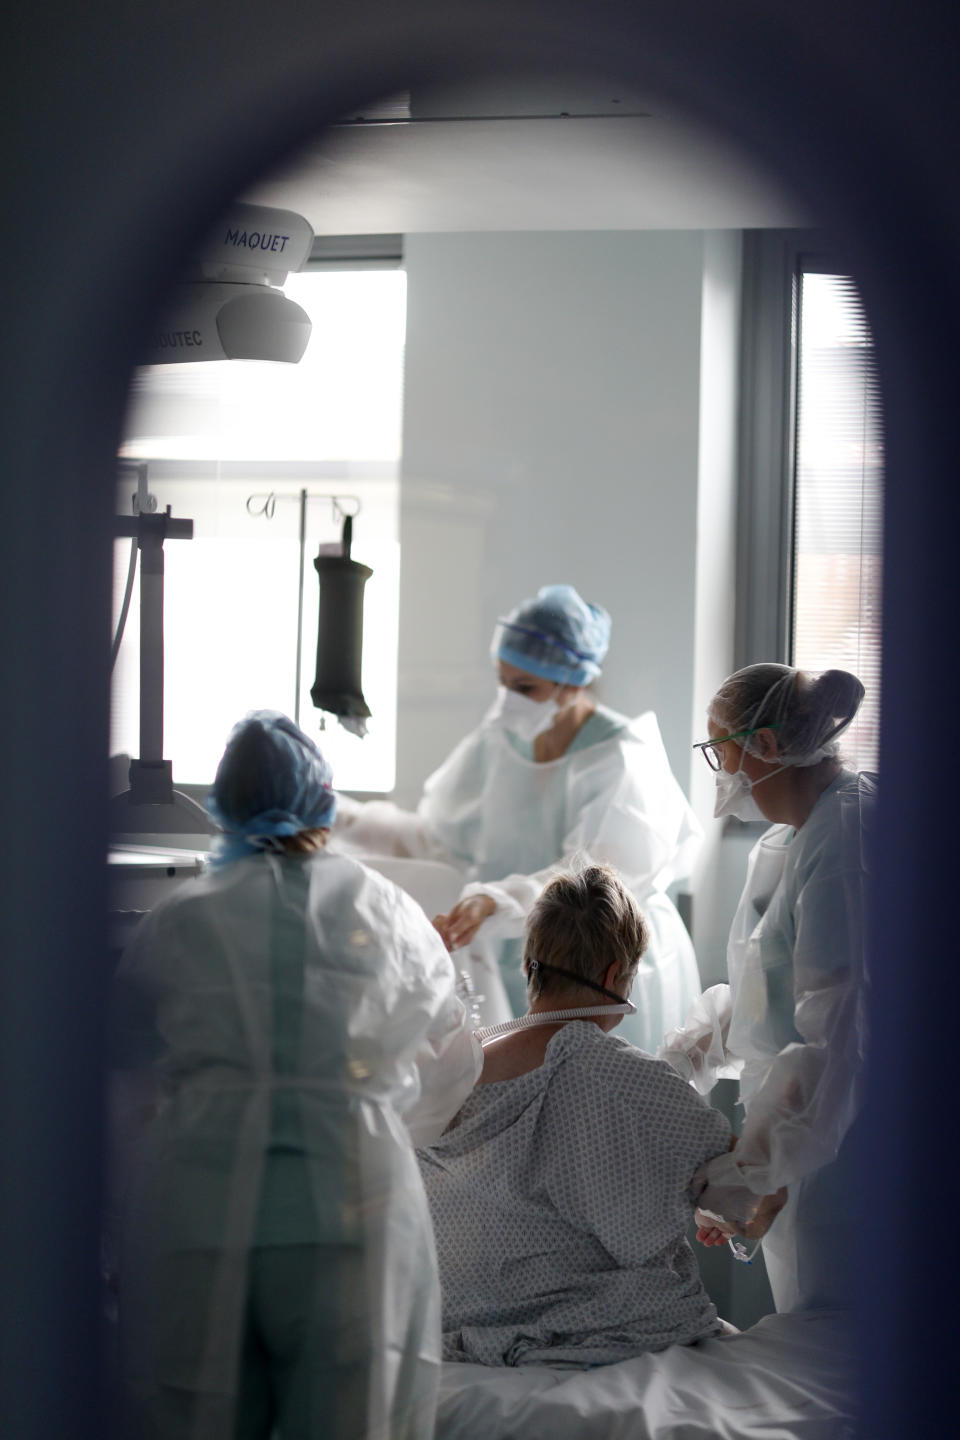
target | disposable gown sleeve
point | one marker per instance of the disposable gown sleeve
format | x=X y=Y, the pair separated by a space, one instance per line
x=624 y=809
x=698 y=1050
x=627 y=810
x=451 y=807
x=378 y=827
x=447 y=1057
x=801 y=1112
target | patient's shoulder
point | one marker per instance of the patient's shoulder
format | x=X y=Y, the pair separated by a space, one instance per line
x=632 y=1096
x=584 y=1041
x=578 y=1049
x=515 y=1054
x=589 y=1055
x=583 y=1046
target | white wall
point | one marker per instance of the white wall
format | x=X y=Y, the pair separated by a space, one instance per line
x=719 y=874
x=569 y=416
x=550 y=434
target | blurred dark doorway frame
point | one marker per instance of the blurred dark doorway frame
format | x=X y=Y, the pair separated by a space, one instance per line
x=130 y=127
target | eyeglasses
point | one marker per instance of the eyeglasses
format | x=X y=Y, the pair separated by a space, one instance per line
x=709 y=747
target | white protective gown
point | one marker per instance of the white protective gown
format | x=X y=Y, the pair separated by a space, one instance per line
x=305 y=1010
x=792 y=1024
x=509 y=820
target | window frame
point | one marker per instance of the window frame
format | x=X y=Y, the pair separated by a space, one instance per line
x=355 y=252
x=773 y=261
x=328 y=253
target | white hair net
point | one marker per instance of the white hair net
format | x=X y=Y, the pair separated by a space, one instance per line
x=807 y=712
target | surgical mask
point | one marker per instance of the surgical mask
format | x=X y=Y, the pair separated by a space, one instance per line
x=523 y=717
x=735 y=794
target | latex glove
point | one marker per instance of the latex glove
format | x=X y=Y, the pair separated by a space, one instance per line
x=767 y=1211
x=713 y=1230
x=459 y=927
x=710 y=1232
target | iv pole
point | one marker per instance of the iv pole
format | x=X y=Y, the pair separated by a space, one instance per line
x=267 y=508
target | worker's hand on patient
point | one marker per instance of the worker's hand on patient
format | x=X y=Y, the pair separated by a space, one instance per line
x=464 y=920
x=710 y=1231
x=766 y=1212
x=714 y=1232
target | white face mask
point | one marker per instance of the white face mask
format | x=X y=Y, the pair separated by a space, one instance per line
x=735 y=794
x=523 y=717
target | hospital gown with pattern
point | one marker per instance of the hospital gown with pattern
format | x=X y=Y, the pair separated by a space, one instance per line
x=560 y=1201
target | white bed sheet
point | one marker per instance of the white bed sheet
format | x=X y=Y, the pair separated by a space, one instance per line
x=790 y=1377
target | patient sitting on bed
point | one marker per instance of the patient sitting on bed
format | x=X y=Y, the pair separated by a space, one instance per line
x=559 y=1192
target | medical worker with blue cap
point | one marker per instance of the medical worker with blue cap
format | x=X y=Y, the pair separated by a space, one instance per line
x=549 y=773
x=792 y=1021
x=278 y=1271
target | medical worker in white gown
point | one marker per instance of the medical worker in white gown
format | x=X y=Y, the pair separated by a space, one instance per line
x=550 y=773
x=791 y=1022
x=278 y=1270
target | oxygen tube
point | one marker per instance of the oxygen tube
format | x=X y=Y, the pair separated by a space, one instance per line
x=558 y=1017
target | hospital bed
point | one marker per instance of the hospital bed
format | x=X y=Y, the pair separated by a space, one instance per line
x=790 y=1377
x=436 y=887
x=141 y=875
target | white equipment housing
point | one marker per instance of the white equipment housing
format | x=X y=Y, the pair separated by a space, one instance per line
x=230 y=306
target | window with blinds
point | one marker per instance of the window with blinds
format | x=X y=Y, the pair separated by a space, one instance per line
x=838 y=487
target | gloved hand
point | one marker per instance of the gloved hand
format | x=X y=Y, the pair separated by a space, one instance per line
x=714 y=1230
x=458 y=928
x=710 y=1229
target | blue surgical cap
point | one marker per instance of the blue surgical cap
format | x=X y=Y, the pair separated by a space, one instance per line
x=557 y=636
x=271 y=781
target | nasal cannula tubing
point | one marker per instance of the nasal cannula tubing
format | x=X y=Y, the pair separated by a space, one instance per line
x=552 y=1017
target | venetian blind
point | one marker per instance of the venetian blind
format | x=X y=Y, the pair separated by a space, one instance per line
x=838 y=500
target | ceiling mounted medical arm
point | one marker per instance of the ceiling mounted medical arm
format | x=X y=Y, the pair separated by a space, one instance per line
x=253 y=244
x=228 y=322
x=229 y=305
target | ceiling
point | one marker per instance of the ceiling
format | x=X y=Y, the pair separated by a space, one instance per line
x=524 y=155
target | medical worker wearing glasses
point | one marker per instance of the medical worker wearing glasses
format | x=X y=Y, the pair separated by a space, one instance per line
x=791 y=1021
x=548 y=773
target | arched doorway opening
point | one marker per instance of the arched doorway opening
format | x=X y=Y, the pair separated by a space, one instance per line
x=262 y=99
